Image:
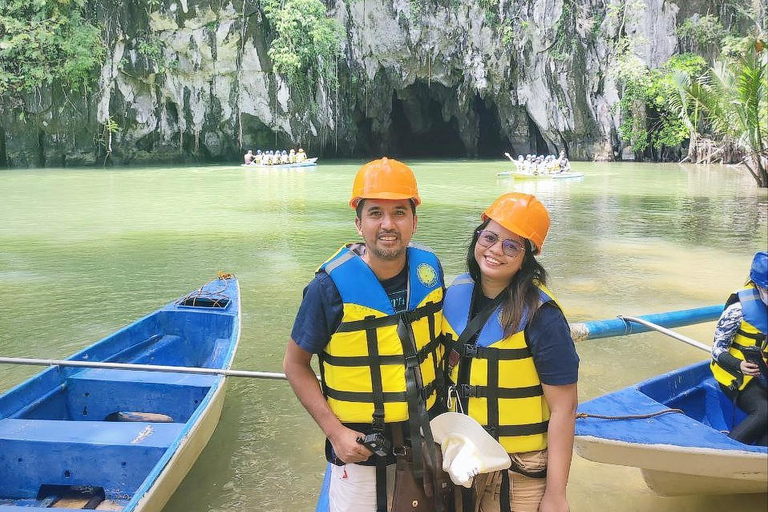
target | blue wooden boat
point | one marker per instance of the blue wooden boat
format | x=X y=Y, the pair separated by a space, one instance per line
x=117 y=438
x=686 y=452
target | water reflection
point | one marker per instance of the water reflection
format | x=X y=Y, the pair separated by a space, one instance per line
x=85 y=252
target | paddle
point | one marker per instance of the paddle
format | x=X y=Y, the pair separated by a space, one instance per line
x=142 y=367
x=668 y=332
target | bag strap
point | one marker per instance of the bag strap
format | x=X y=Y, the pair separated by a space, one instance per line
x=472 y=328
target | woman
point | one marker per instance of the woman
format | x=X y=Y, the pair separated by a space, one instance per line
x=742 y=329
x=512 y=363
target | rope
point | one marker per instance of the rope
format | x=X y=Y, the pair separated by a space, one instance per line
x=629 y=416
x=209 y=298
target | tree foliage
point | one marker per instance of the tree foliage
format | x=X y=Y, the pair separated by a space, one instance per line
x=650 y=104
x=47 y=41
x=733 y=95
x=306 y=42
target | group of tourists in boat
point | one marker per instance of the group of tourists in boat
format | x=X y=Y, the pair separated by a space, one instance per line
x=272 y=157
x=541 y=164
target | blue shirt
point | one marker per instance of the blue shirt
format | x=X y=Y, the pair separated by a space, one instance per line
x=552 y=348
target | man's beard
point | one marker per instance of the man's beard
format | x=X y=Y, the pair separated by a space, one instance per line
x=387 y=254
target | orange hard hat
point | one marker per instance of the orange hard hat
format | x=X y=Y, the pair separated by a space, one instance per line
x=522 y=214
x=384 y=179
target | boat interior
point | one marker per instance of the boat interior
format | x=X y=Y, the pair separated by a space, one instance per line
x=88 y=438
x=697 y=394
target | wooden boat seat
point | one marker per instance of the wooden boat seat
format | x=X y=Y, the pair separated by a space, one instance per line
x=96 y=394
x=89 y=432
x=183 y=379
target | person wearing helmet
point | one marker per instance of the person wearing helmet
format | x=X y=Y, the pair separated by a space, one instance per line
x=372 y=315
x=740 y=351
x=301 y=156
x=512 y=364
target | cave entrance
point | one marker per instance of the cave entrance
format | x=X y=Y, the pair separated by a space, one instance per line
x=490 y=143
x=418 y=128
x=538 y=144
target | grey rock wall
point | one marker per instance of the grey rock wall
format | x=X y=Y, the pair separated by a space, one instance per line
x=442 y=80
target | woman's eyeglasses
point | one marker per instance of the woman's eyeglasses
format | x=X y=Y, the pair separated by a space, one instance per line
x=488 y=239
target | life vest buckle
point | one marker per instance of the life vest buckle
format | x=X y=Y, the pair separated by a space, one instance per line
x=467 y=391
x=470 y=350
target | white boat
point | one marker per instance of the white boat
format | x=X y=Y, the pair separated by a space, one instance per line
x=518 y=175
x=309 y=162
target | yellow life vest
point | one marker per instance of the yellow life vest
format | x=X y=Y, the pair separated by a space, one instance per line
x=365 y=365
x=503 y=391
x=751 y=332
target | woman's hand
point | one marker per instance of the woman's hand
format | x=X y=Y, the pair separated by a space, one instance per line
x=748 y=368
x=553 y=502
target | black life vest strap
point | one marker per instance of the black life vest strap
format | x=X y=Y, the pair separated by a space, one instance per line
x=542 y=473
x=492 y=389
x=504 y=497
x=381 y=484
x=518 y=430
x=372 y=322
x=424 y=352
x=467 y=391
x=377 y=388
x=502 y=354
x=473 y=327
x=757 y=336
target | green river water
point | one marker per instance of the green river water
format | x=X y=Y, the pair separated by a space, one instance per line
x=84 y=252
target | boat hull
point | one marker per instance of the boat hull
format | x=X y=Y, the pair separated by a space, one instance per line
x=679 y=453
x=125 y=437
x=184 y=458
x=542 y=176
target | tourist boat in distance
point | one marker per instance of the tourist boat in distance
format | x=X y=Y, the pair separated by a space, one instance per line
x=518 y=175
x=92 y=434
x=674 y=428
x=309 y=162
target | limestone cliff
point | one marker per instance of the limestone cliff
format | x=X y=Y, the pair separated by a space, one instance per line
x=191 y=80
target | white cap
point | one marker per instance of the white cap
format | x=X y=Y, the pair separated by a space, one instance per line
x=468 y=449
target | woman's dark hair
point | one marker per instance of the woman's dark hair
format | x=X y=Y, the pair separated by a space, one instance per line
x=522 y=293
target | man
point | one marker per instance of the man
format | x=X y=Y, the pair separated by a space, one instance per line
x=248 y=157
x=372 y=314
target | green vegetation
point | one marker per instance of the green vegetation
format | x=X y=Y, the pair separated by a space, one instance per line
x=733 y=97
x=720 y=110
x=44 y=42
x=649 y=103
x=306 y=43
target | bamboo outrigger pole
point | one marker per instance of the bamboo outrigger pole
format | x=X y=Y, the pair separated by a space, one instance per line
x=619 y=326
x=668 y=332
x=142 y=367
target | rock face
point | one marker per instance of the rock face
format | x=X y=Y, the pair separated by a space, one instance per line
x=191 y=81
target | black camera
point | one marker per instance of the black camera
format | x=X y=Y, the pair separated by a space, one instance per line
x=376 y=442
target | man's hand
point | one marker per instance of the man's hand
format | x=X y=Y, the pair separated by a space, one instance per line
x=346 y=447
